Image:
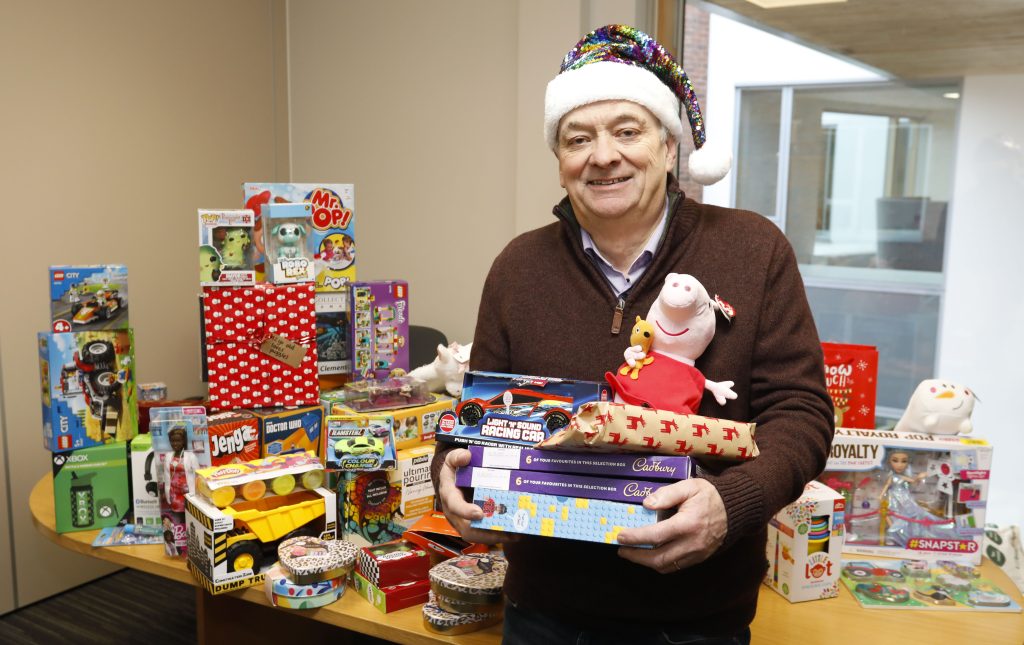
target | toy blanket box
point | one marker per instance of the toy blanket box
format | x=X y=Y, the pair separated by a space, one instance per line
x=805 y=542
x=514 y=409
x=911 y=495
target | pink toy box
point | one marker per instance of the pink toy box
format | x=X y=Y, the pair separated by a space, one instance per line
x=911 y=495
x=805 y=540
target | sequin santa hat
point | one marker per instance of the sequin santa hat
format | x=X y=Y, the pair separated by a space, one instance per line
x=622 y=62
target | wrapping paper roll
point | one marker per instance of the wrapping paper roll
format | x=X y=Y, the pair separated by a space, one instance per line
x=473 y=579
x=308 y=560
x=618 y=427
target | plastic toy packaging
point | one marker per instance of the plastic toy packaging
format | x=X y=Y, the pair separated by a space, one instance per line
x=256 y=479
x=227 y=248
x=360 y=443
x=285 y=233
x=180 y=449
x=386 y=394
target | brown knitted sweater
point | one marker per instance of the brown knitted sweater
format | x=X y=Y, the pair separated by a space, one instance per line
x=546 y=310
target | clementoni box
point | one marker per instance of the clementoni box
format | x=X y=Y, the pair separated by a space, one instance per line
x=284 y=431
x=88 y=388
x=380 y=328
x=88 y=297
x=413 y=426
x=851 y=376
x=331 y=241
x=90 y=488
x=911 y=495
x=333 y=335
x=227 y=248
x=514 y=409
x=805 y=542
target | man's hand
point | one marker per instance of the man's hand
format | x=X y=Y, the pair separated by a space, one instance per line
x=458 y=511
x=690 y=536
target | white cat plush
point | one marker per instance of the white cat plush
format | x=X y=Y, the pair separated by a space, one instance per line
x=445 y=373
x=938 y=407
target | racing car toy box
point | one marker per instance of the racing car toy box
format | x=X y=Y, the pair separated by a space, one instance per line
x=359 y=443
x=88 y=297
x=513 y=409
x=805 y=543
x=380 y=328
x=88 y=388
x=90 y=488
x=911 y=495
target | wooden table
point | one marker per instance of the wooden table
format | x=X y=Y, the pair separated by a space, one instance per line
x=837 y=620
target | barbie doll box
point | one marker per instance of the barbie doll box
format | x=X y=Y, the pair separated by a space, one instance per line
x=805 y=540
x=911 y=495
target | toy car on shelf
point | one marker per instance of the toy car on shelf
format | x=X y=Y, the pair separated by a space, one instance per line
x=934 y=595
x=101 y=306
x=866 y=570
x=360 y=446
x=372 y=395
x=253 y=480
x=94 y=375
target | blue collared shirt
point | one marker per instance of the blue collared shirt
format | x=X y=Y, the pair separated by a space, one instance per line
x=622 y=282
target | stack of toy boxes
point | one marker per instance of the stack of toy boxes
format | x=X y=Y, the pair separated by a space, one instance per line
x=805 y=541
x=87 y=371
x=911 y=495
x=393 y=575
x=242 y=511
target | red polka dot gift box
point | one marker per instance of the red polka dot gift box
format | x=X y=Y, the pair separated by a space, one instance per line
x=261 y=346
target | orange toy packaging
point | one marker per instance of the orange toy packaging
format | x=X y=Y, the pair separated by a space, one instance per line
x=851 y=375
x=234 y=437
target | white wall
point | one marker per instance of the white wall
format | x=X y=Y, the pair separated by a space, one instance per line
x=982 y=323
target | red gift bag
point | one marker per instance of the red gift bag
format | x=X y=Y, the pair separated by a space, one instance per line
x=851 y=376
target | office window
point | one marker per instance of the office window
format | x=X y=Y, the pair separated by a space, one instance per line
x=859 y=177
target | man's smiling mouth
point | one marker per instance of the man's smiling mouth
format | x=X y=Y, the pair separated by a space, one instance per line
x=607 y=182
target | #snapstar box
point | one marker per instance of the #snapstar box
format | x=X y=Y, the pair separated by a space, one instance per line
x=805 y=542
x=851 y=377
x=911 y=495
x=90 y=488
x=88 y=297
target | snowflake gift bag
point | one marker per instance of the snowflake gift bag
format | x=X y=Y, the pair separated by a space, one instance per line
x=260 y=346
x=851 y=375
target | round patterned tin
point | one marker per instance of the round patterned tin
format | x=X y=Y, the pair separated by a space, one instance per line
x=472 y=579
x=309 y=603
x=306 y=560
x=437 y=620
x=277 y=583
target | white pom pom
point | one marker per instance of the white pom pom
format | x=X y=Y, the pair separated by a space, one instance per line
x=709 y=164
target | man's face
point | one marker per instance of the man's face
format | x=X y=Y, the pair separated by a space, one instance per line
x=612 y=161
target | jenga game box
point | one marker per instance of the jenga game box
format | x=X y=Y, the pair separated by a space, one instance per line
x=234 y=437
x=851 y=375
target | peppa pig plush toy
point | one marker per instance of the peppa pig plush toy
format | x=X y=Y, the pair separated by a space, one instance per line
x=683 y=322
x=938 y=407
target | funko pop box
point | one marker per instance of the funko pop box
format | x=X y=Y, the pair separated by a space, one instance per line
x=88 y=297
x=805 y=542
x=911 y=495
x=514 y=409
x=90 y=488
x=88 y=388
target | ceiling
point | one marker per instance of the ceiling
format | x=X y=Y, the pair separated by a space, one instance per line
x=907 y=39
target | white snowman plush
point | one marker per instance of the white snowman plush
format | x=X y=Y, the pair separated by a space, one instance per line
x=938 y=407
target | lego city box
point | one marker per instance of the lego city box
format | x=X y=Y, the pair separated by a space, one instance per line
x=514 y=409
x=284 y=431
x=805 y=543
x=851 y=377
x=90 y=488
x=234 y=547
x=911 y=495
x=380 y=328
x=331 y=240
x=261 y=346
x=413 y=426
x=88 y=297
x=88 y=388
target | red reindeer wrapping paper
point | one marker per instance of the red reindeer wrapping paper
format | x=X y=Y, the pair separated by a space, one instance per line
x=618 y=427
x=238 y=320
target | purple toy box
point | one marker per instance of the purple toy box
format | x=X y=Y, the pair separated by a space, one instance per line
x=661 y=467
x=380 y=328
x=525 y=481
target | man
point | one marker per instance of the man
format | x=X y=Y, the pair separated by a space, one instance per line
x=554 y=304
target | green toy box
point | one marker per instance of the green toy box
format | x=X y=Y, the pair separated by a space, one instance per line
x=90 y=487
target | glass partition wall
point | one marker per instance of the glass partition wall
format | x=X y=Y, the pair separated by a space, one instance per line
x=859 y=177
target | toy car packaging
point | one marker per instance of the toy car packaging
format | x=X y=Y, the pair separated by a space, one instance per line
x=413 y=426
x=180 y=450
x=285 y=431
x=234 y=437
x=805 y=540
x=90 y=488
x=285 y=234
x=88 y=388
x=380 y=328
x=374 y=395
x=331 y=240
x=911 y=495
x=88 y=297
x=226 y=248
x=851 y=376
x=359 y=443
x=260 y=346
x=513 y=409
